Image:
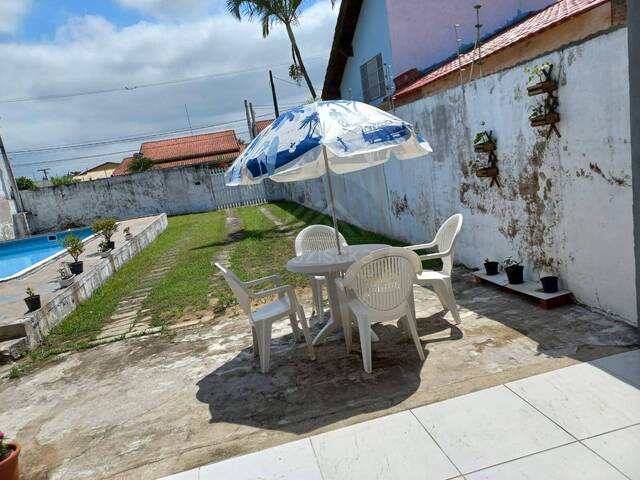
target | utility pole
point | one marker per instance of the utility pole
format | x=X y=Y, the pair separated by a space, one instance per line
x=273 y=94
x=188 y=118
x=12 y=189
x=249 y=126
x=44 y=173
x=254 y=130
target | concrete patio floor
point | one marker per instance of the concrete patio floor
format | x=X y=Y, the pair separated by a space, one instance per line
x=148 y=407
x=574 y=423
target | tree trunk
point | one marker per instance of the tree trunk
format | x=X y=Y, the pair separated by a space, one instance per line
x=292 y=38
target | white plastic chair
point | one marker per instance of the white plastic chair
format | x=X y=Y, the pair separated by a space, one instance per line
x=262 y=318
x=378 y=288
x=316 y=238
x=440 y=281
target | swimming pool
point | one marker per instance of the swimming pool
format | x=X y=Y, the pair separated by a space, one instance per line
x=19 y=256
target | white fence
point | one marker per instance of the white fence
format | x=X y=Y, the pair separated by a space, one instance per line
x=229 y=197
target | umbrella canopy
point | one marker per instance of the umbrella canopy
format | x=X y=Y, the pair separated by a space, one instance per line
x=353 y=135
x=339 y=135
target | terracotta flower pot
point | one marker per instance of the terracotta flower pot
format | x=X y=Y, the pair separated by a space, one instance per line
x=9 y=466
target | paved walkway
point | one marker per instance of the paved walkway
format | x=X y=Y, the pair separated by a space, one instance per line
x=579 y=422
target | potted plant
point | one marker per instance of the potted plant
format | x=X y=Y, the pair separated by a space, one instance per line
x=9 y=452
x=483 y=142
x=539 y=116
x=103 y=249
x=541 y=73
x=75 y=247
x=106 y=227
x=65 y=277
x=490 y=267
x=127 y=233
x=549 y=282
x=32 y=300
x=514 y=270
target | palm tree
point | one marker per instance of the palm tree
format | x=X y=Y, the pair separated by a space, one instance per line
x=270 y=13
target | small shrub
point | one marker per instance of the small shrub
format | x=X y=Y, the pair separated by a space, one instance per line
x=510 y=263
x=537 y=111
x=140 y=164
x=74 y=246
x=4 y=448
x=30 y=292
x=103 y=246
x=63 y=180
x=15 y=372
x=105 y=227
x=537 y=71
x=25 y=183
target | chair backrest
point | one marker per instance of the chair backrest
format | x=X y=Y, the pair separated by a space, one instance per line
x=383 y=279
x=315 y=238
x=238 y=289
x=446 y=238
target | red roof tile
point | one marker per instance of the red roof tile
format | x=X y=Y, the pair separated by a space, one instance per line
x=221 y=160
x=549 y=17
x=262 y=124
x=191 y=147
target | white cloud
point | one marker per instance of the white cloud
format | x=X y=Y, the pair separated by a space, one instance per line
x=89 y=53
x=11 y=13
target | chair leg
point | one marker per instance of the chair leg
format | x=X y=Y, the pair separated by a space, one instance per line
x=437 y=287
x=453 y=306
x=412 y=303
x=413 y=330
x=255 y=342
x=364 y=330
x=306 y=332
x=294 y=327
x=264 y=339
x=345 y=313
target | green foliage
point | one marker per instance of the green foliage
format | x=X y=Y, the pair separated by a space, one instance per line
x=74 y=246
x=103 y=246
x=25 y=183
x=510 y=263
x=105 y=227
x=15 y=372
x=537 y=71
x=63 y=180
x=295 y=73
x=140 y=164
x=30 y=292
x=537 y=111
x=478 y=138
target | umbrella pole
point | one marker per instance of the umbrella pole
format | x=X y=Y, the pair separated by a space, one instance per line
x=330 y=198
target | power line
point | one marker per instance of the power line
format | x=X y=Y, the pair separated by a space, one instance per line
x=55 y=96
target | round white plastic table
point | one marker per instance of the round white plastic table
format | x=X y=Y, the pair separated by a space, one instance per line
x=329 y=264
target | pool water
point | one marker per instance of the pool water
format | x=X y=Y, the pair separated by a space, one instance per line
x=19 y=255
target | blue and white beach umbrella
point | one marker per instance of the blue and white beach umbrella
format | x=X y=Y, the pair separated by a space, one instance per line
x=340 y=135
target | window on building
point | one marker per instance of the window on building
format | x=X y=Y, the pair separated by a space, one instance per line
x=372 y=74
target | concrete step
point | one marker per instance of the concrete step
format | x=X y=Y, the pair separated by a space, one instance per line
x=13 y=349
x=13 y=330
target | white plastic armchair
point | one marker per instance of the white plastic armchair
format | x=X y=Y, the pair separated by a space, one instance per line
x=378 y=288
x=316 y=238
x=440 y=281
x=262 y=318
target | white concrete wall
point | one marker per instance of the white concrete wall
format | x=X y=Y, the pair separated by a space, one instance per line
x=565 y=204
x=172 y=191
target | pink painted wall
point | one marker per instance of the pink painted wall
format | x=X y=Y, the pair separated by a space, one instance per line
x=422 y=30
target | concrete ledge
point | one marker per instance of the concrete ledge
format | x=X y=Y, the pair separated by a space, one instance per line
x=38 y=324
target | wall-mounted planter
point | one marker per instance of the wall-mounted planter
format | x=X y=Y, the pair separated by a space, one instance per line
x=484 y=147
x=541 y=120
x=487 y=172
x=548 y=86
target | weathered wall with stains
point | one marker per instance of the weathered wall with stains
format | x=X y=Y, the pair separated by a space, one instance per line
x=565 y=203
x=173 y=191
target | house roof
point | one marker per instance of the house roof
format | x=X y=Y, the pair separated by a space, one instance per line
x=102 y=166
x=554 y=14
x=193 y=146
x=262 y=124
x=341 y=48
x=222 y=159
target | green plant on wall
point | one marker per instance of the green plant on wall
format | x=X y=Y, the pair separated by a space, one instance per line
x=538 y=71
x=25 y=183
x=63 y=180
x=482 y=137
x=140 y=164
x=105 y=227
x=74 y=246
x=537 y=111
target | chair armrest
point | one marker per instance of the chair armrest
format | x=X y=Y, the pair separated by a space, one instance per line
x=422 y=246
x=280 y=291
x=434 y=256
x=271 y=278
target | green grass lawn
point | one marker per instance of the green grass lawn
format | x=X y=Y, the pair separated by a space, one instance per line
x=190 y=282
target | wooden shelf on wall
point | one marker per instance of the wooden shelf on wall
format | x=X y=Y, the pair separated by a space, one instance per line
x=532 y=290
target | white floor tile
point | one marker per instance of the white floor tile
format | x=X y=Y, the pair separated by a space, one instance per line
x=620 y=448
x=291 y=461
x=391 y=447
x=188 y=475
x=625 y=366
x=583 y=399
x=489 y=427
x=570 y=462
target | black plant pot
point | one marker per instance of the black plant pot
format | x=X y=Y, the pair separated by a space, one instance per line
x=33 y=303
x=76 y=267
x=491 y=268
x=549 y=284
x=514 y=274
x=111 y=245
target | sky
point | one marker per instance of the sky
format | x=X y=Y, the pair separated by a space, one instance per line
x=52 y=48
